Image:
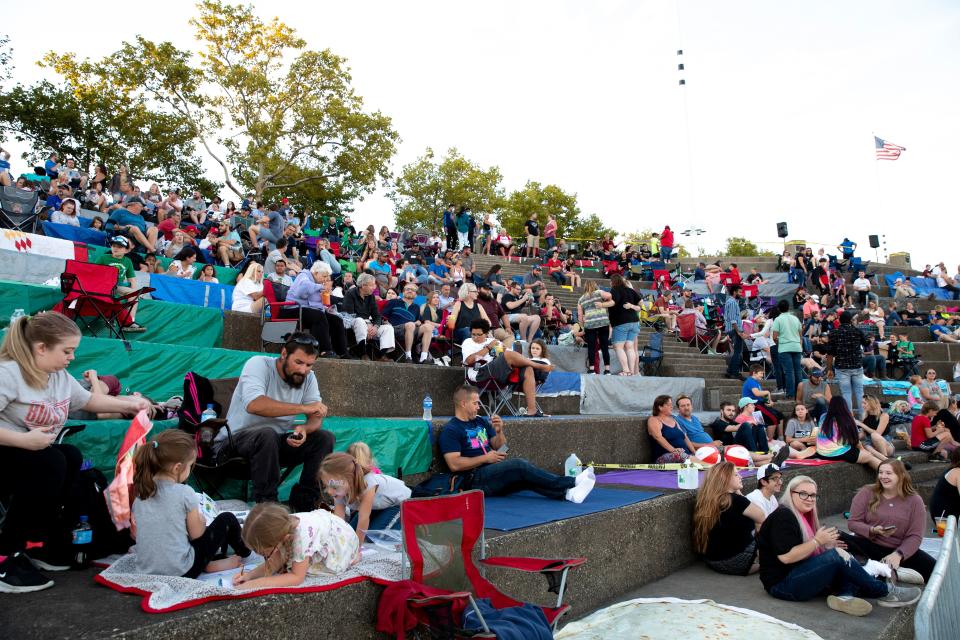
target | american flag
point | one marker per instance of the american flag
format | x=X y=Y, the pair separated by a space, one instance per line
x=887 y=150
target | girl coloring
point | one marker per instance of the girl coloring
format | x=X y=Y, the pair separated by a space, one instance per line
x=373 y=498
x=294 y=545
x=172 y=537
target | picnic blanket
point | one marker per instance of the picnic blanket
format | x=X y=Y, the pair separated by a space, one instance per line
x=528 y=509
x=652 y=477
x=162 y=594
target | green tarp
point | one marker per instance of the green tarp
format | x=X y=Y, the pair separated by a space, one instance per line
x=180 y=324
x=396 y=443
x=155 y=370
x=29 y=297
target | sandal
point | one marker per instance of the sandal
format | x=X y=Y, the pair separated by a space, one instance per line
x=133 y=327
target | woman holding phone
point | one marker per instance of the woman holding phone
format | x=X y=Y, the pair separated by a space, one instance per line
x=887 y=520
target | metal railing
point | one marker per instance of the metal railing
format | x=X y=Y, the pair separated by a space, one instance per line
x=938 y=616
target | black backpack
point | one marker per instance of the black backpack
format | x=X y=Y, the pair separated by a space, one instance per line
x=197 y=395
x=86 y=498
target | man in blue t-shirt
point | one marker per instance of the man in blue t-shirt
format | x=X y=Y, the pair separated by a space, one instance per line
x=439 y=273
x=691 y=424
x=476 y=447
x=270 y=227
x=754 y=390
x=130 y=222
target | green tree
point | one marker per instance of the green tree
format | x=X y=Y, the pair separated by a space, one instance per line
x=92 y=127
x=271 y=113
x=588 y=226
x=426 y=186
x=744 y=248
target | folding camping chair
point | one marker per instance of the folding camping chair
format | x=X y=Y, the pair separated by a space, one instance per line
x=495 y=396
x=273 y=328
x=18 y=209
x=687 y=328
x=726 y=280
x=751 y=295
x=89 y=295
x=661 y=279
x=611 y=267
x=441 y=535
x=651 y=356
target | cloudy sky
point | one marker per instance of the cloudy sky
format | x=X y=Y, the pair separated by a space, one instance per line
x=782 y=101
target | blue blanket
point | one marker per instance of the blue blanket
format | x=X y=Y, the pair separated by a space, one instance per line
x=528 y=509
x=560 y=383
x=202 y=294
x=525 y=622
x=923 y=286
x=75 y=234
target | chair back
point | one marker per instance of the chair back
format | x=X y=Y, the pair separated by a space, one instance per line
x=662 y=278
x=656 y=343
x=727 y=279
x=440 y=536
x=16 y=201
x=750 y=290
x=686 y=324
x=89 y=279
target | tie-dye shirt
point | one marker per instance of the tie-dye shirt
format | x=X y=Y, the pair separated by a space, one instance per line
x=833 y=446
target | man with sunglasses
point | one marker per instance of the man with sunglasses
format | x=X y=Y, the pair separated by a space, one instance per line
x=270 y=394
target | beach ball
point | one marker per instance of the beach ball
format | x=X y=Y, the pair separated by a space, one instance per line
x=709 y=455
x=738 y=455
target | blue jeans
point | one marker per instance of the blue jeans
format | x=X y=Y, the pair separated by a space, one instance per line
x=777 y=369
x=753 y=437
x=792 y=373
x=874 y=364
x=461 y=334
x=827 y=573
x=551 y=242
x=736 y=353
x=851 y=388
x=379 y=518
x=516 y=474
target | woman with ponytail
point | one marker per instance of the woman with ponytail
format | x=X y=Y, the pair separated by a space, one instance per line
x=172 y=536
x=362 y=495
x=36 y=395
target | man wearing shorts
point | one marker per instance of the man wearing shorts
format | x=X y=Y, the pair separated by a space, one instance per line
x=486 y=359
x=270 y=228
x=533 y=236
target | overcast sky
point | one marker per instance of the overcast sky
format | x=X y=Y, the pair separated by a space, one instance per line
x=782 y=101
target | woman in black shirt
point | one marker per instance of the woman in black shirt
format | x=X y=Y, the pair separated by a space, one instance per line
x=945 y=500
x=724 y=522
x=626 y=324
x=799 y=559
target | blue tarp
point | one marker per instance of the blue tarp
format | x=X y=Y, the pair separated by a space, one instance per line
x=75 y=234
x=560 y=383
x=923 y=286
x=528 y=509
x=201 y=294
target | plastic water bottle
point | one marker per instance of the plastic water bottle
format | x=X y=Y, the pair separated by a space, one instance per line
x=427 y=408
x=17 y=313
x=82 y=540
x=572 y=466
x=208 y=414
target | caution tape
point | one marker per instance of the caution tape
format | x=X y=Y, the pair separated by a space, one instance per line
x=669 y=466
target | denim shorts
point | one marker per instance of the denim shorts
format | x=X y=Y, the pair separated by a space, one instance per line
x=625 y=332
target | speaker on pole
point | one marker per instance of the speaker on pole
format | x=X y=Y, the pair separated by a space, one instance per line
x=782 y=230
x=874 y=242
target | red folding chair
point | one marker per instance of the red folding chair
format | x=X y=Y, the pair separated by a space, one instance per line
x=440 y=536
x=661 y=278
x=89 y=295
x=273 y=328
x=495 y=396
x=611 y=267
x=750 y=290
x=727 y=279
x=687 y=328
x=442 y=343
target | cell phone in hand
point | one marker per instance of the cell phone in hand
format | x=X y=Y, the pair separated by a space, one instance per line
x=503 y=449
x=295 y=435
x=889 y=527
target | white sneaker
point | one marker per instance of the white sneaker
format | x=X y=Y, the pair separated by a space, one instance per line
x=849 y=605
x=909 y=576
x=585 y=482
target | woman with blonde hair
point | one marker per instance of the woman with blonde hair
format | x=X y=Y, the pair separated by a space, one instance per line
x=248 y=292
x=36 y=395
x=875 y=437
x=724 y=522
x=888 y=520
x=800 y=560
x=465 y=311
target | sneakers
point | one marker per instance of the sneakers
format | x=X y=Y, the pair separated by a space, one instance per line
x=899 y=596
x=781 y=456
x=584 y=485
x=17 y=575
x=849 y=605
x=909 y=576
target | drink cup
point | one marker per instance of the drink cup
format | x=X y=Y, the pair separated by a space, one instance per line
x=941 y=526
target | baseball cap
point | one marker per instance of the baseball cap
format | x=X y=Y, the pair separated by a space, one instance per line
x=767 y=470
x=818 y=373
x=744 y=401
x=135 y=200
x=192 y=229
x=536 y=267
x=120 y=241
x=483 y=284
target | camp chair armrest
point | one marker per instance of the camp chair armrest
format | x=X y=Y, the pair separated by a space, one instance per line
x=430 y=601
x=533 y=565
x=69 y=431
x=134 y=294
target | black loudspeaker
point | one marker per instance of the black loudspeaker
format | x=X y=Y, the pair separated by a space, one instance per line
x=782 y=230
x=874 y=242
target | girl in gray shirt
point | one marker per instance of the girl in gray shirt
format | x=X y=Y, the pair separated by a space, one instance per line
x=172 y=536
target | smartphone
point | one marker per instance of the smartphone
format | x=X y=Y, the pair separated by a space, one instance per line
x=889 y=527
x=503 y=449
x=295 y=435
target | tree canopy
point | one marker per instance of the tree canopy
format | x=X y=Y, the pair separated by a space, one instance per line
x=271 y=113
x=743 y=247
x=426 y=186
x=92 y=127
x=547 y=200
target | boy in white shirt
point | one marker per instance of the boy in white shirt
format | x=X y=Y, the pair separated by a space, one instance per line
x=769 y=483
